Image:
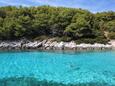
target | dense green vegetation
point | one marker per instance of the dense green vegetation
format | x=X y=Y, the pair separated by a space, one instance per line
x=63 y=23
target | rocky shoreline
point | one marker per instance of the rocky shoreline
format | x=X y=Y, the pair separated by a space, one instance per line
x=51 y=45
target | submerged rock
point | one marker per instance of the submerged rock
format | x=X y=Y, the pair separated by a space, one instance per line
x=32 y=81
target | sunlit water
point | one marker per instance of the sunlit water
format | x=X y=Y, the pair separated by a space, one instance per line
x=62 y=67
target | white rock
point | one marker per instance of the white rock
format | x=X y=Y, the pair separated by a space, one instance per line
x=70 y=45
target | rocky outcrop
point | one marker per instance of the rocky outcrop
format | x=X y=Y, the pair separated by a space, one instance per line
x=33 y=45
x=112 y=42
x=51 y=45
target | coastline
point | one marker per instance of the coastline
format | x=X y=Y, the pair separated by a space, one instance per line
x=53 y=45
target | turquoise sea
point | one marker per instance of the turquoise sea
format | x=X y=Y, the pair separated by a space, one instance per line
x=64 y=67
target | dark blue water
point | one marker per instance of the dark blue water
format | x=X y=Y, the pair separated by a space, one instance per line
x=62 y=67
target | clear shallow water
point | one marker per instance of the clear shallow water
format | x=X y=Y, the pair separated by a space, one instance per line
x=62 y=67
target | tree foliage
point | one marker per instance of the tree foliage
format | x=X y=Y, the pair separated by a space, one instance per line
x=75 y=24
